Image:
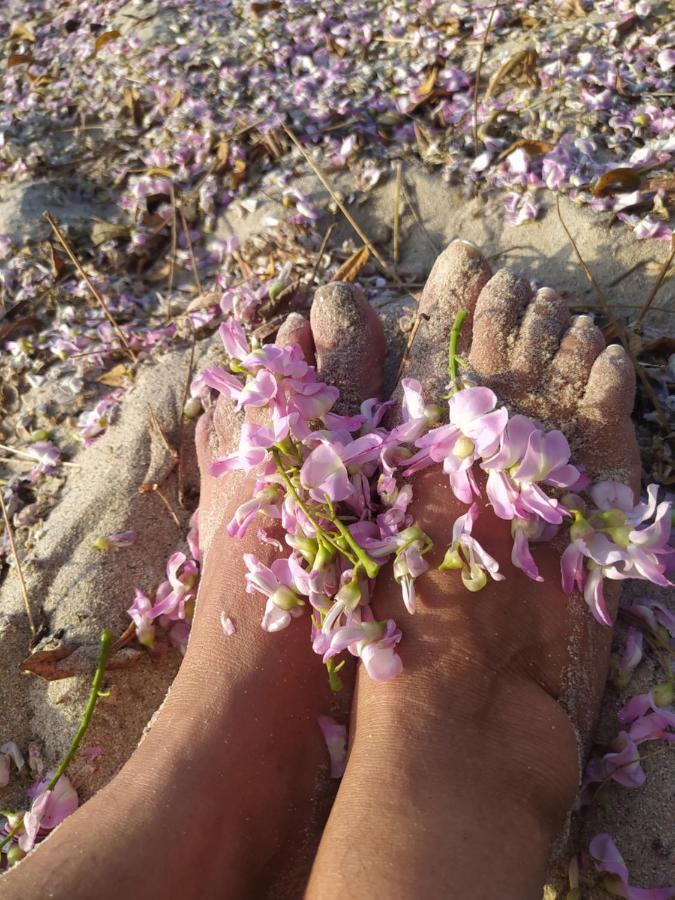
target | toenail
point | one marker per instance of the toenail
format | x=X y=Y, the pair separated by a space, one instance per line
x=582 y=321
x=546 y=293
x=471 y=248
x=616 y=350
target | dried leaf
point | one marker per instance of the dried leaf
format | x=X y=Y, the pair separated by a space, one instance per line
x=58 y=262
x=621 y=179
x=39 y=81
x=158 y=170
x=43 y=662
x=175 y=100
x=132 y=103
x=104 y=39
x=259 y=9
x=334 y=47
x=118 y=376
x=21 y=32
x=451 y=26
x=222 y=155
x=6 y=328
x=523 y=63
x=534 y=148
x=238 y=173
x=572 y=8
x=429 y=83
x=16 y=59
x=351 y=268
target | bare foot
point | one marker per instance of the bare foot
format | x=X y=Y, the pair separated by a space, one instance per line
x=228 y=792
x=475 y=749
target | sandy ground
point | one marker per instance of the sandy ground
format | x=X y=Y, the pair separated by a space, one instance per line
x=82 y=590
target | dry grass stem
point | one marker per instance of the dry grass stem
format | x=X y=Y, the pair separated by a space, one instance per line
x=97 y=296
x=397 y=207
x=193 y=261
x=479 y=66
x=340 y=205
x=22 y=581
x=657 y=284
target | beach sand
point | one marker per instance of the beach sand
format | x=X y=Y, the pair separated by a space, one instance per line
x=81 y=590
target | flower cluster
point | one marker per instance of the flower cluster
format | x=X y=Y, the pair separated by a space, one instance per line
x=173 y=603
x=336 y=485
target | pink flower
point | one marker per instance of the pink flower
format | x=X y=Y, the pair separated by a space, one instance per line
x=48 y=457
x=278 y=584
x=228 y=626
x=172 y=598
x=527 y=455
x=214 y=377
x=335 y=736
x=473 y=433
x=523 y=531
x=465 y=553
x=326 y=471
x=142 y=617
x=49 y=809
x=623 y=666
x=374 y=643
x=608 y=860
x=9 y=752
x=266 y=501
x=409 y=565
x=255 y=442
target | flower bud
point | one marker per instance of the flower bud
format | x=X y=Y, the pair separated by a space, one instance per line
x=663 y=693
x=463 y=448
x=101 y=543
x=581 y=528
x=189 y=610
x=39 y=435
x=15 y=854
x=323 y=558
x=433 y=413
x=350 y=594
x=285 y=598
x=192 y=408
x=451 y=560
x=306 y=547
x=474 y=579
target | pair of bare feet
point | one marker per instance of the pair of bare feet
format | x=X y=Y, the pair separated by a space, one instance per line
x=460 y=771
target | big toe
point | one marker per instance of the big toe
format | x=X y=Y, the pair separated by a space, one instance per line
x=349 y=343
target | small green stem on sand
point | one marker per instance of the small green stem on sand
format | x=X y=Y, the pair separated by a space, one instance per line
x=103 y=653
x=94 y=694
x=452 y=349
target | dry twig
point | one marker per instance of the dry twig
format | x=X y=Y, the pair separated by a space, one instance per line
x=657 y=284
x=479 y=66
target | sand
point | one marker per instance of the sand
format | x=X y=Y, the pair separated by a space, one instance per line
x=82 y=590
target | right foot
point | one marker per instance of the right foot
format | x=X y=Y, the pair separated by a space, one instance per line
x=484 y=732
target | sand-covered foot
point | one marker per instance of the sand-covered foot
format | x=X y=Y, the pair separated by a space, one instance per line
x=235 y=767
x=476 y=748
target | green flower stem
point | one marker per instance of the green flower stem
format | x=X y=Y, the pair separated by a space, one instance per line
x=370 y=566
x=319 y=530
x=104 y=652
x=454 y=338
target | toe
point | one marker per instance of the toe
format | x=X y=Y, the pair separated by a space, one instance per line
x=455 y=282
x=538 y=339
x=604 y=440
x=610 y=391
x=498 y=312
x=349 y=343
x=296 y=330
x=571 y=366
